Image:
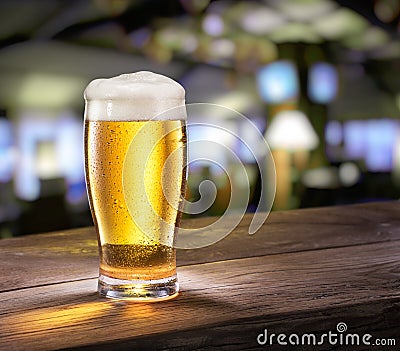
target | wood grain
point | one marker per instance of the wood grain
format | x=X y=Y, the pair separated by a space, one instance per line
x=219 y=294
x=303 y=272
x=72 y=255
x=241 y=334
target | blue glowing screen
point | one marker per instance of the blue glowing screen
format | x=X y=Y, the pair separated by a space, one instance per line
x=322 y=83
x=278 y=82
x=372 y=141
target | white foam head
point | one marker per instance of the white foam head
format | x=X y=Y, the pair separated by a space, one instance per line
x=134 y=96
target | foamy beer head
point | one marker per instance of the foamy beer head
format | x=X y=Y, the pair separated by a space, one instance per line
x=134 y=96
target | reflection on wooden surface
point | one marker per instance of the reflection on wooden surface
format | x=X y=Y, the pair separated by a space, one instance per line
x=304 y=271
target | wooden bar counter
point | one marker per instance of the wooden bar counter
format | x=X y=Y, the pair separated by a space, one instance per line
x=304 y=272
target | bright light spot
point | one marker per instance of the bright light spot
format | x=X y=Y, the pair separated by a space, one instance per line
x=381 y=137
x=8 y=159
x=304 y=10
x=177 y=37
x=322 y=82
x=32 y=130
x=222 y=48
x=50 y=147
x=387 y=10
x=213 y=25
x=295 y=32
x=236 y=100
x=341 y=23
x=321 y=178
x=261 y=20
x=41 y=90
x=7 y=151
x=46 y=160
x=26 y=183
x=349 y=173
x=189 y=43
x=278 y=82
x=354 y=139
x=372 y=140
x=6 y=134
x=69 y=146
x=291 y=130
x=210 y=142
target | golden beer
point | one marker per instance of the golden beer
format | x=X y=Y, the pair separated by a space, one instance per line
x=135 y=173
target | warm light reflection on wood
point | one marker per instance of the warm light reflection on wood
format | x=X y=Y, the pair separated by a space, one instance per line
x=40 y=320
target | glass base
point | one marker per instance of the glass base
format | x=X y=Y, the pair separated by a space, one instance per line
x=139 y=290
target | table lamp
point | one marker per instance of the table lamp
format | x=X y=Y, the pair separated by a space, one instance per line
x=290 y=135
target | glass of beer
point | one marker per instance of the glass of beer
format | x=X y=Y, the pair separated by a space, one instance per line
x=135 y=164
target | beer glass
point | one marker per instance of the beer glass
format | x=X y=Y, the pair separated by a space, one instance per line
x=135 y=162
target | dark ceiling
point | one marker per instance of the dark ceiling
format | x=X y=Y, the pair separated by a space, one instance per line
x=66 y=19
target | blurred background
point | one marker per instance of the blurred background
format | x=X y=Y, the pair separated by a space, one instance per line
x=319 y=78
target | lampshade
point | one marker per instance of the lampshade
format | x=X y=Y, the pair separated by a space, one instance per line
x=291 y=130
